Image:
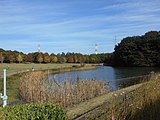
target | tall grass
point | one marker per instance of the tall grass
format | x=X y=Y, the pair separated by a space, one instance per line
x=134 y=105
x=35 y=88
x=142 y=103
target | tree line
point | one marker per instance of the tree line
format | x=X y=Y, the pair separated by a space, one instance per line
x=8 y=56
x=137 y=51
x=131 y=51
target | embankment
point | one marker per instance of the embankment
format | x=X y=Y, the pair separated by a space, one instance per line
x=139 y=101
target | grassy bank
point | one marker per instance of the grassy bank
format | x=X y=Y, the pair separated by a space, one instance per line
x=14 y=80
x=12 y=88
x=82 y=108
x=138 y=102
x=17 y=68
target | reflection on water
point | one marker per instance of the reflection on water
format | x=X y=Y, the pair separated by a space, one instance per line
x=105 y=73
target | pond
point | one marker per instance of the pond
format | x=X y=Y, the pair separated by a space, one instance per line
x=113 y=75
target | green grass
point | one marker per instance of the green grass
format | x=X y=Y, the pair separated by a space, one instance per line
x=12 y=88
x=16 y=68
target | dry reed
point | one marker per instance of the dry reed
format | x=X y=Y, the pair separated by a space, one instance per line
x=139 y=103
x=34 y=87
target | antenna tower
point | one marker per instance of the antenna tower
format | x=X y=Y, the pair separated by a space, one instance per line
x=39 y=48
x=96 y=49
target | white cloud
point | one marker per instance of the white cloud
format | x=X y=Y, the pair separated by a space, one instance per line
x=55 y=23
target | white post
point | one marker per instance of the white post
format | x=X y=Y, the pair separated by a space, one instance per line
x=4 y=97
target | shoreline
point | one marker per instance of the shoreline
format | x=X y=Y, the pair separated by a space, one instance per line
x=71 y=69
x=60 y=69
x=79 y=111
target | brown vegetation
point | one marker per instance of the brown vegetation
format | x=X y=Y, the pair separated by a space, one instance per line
x=142 y=103
x=35 y=87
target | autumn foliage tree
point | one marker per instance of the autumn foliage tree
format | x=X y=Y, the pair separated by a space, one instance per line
x=19 y=58
x=70 y=59
x=36 y=57
x=29 y=57
x=40 y=57
x=53 y=58
x=46 y=58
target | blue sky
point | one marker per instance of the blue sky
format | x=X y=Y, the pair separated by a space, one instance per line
x=74 y=25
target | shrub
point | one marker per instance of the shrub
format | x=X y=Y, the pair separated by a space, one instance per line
x=33 y=112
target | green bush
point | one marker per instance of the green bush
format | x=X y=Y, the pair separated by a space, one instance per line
x=33 y=112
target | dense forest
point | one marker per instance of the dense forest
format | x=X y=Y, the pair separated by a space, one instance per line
x=8 y=56
x=138 y=51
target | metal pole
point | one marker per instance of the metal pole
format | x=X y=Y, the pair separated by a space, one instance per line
x=4 y=89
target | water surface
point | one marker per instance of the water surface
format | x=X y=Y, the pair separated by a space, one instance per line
x=105 y=73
